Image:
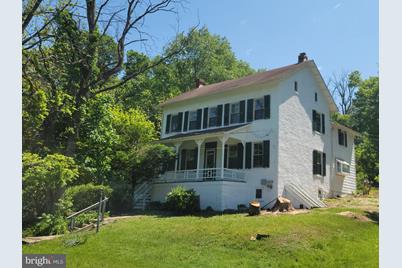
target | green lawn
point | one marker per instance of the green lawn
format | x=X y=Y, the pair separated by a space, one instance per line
x=320 y=238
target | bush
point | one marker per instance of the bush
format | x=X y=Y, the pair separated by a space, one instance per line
x=49 y=225
x=182 y=201
x=85 y=218
x=43 y=183
x=85 y=195
x=74 y=240
x=155 y=205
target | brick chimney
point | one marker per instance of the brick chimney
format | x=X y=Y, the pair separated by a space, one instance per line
x=302 y=57
x=199 y=83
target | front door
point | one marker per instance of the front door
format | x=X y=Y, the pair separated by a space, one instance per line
x=210 y=164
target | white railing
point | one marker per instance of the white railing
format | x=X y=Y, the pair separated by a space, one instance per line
x=205 y=174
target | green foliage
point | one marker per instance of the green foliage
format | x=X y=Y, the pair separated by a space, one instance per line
x=85 y=218
x=85 y=195
x=50 y=224
x=364 y=118
x=183 y=201
x=43 y=183
x=72 y=240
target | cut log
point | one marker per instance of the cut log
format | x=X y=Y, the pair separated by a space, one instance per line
x=254 y=208
x=282 y=204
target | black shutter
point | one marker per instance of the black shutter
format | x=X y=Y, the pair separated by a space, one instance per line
x=240 y=155
x=250 y=109
x=205 y=123
x=323 y=123
x=185 y=127
x=346 y=139
x=266 y=154
x=314 y=162
x=248 y=155
x=168 y=117
x=314 y=116
x=267 y=106
x=324 y=164
x=219 y=115
x=195 y=158
x=226 y=114
x=225 y=158
x=242 y=111
x=183 y=159
x=180 y=119
x=199 y=115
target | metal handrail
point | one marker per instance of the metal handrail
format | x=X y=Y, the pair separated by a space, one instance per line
x=102 y=206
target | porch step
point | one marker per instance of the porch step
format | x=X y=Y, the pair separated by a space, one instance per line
x=142 y=196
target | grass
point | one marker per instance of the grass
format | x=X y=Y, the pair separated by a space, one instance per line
x=320 y=238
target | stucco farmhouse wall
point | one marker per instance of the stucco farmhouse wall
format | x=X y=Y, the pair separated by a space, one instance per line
x=297 y=139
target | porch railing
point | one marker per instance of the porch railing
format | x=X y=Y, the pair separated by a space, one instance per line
x=205 y=174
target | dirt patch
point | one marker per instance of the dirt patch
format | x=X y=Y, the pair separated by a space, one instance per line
x=353 y=215
x=292 y=212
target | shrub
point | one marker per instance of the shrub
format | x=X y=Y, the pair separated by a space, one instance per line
x=85 y=218
x=155 y=205
x=182 y=201
x=43 y=183
x=85 y=195
x=50 y=225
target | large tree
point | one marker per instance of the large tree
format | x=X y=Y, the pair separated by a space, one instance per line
x=204 y=56
x=69 y=56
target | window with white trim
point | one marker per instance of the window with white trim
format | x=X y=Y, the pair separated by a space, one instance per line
x=174 y=123
x=342 y=167
x=342 y=138
x=235 y=113
x=258 y=155
x=259 y=108
x=212 y=116
x=192 y=119
x=319 y=163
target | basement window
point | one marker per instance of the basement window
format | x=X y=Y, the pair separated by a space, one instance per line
x=258 y=193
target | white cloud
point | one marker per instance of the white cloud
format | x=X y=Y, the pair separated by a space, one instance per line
x=337 y=5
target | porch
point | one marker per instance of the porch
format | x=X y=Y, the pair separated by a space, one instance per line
x=200 y=175
x=206 y=157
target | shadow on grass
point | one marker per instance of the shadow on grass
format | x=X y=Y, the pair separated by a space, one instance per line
x=372 y=215
x=165 y=213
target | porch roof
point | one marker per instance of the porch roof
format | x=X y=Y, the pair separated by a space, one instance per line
x=209 y=132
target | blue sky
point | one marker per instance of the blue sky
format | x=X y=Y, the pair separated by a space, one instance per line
x=338 y=35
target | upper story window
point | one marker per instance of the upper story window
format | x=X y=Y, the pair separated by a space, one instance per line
x=212 y=117
x=296 y=86
x=315 y=97
x=318 y=122
x=193 y=120
x=342 y=138
x=319 y=163
x=259 y=109
x=258 y=155
x=235 y=113
x=175 y=123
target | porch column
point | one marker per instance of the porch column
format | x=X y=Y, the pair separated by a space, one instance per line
x=223 y=141
x=177 y=149
x=199 y=143
x=244 y=154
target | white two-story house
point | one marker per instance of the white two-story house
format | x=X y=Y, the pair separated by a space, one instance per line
x=256 y=138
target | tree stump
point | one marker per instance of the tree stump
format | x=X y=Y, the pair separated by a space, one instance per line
x=254 y=208
x=282 y=204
